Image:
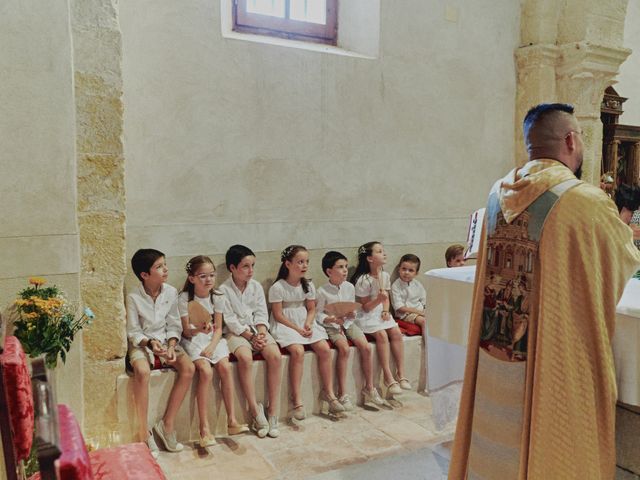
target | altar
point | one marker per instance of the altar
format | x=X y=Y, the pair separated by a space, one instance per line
x=450 y=292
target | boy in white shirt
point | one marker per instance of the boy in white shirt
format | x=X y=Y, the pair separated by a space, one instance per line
x=408 y=296
x=246 y=331
x=153 y=331
x=339 y=329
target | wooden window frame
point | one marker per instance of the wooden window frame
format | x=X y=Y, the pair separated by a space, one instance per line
x=245 y=22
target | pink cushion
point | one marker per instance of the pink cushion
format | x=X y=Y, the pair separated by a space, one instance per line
x=133 y=460
x=74 y=463
x=17 y=384
x=409 y=329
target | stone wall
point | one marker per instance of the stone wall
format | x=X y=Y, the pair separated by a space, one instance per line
x=241 y=142
x=101 y=208
x=628 y=85
x=38 y=228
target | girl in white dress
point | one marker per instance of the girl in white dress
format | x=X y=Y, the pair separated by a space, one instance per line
x=204 y=344
x=372 y=291
x=292 y=299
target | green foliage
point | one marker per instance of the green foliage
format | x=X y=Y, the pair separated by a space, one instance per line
x=48 y=322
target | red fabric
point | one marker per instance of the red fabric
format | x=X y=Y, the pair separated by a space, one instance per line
x=73 y=463
x=17 y=384
x=133 y=460
x=409 y=329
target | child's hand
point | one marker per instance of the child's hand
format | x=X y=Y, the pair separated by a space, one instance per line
x=207 y=328
x=259 y=341
x=157 y=348
x=386 y=316
x=170 y=354
x=383 y=296
x=339 y=321
x=190 y=332
x=350 y=315
x=331 y=319
x=305 y=332
x=207 y=351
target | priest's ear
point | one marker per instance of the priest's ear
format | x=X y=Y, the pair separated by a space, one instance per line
x=571 y=140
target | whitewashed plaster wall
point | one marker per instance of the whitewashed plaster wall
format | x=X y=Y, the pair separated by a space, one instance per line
x=38 y=228
x=629 y=78
x=230 y=141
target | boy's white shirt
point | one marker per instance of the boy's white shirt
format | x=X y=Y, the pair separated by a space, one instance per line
x=157 y=320
x=244 y=310
x=330 y=293
x=410 y=295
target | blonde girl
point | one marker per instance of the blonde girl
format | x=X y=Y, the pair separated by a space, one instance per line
x=203 y=342
x=372 y=286
x=292 y=299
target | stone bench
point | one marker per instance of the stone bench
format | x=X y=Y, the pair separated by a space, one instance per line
x=161 y=381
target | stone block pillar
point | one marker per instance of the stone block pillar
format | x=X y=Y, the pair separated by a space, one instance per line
x=571 y=52
x=101 y=207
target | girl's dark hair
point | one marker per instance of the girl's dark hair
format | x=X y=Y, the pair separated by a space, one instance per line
x=191 y=268
x=235 y=254
x=362 y=267
x=287 y=255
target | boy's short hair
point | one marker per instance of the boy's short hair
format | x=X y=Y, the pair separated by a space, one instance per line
x=235 y=254
x=411 y=258
x=143 y=260
x=453 y=251
x=329 y=260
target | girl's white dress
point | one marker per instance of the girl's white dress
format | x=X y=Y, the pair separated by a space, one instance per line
x=194 y=346
x=369 y=287
x=293 y=307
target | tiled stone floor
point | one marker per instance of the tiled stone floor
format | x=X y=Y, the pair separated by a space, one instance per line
x=316 y=446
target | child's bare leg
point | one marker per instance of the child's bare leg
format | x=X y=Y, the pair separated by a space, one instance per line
x=296 y=364
x=272 y=356
x=366 y=360
x=341 y=365
x=382 y=347
x=421 y=321
x=397 y=349
x=323 y=352
x=141 y=372
x=185 y=369
x=226 y=386
x=245 y=370
x=205 y=377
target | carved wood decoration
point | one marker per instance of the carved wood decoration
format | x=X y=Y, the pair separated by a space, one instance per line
x=620 y=145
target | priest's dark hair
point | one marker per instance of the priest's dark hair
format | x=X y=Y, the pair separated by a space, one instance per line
x=540 y=111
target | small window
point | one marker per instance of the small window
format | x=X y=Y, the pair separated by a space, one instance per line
x=308 y=20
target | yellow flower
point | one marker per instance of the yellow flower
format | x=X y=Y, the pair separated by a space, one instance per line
x=37 y=281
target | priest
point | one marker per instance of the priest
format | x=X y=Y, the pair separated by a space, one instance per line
x=539 y=391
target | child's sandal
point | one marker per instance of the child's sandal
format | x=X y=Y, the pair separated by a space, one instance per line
x=404 y=384
x=237 y=429
x=393 y=388
x=207 y=441
x=298 y=412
